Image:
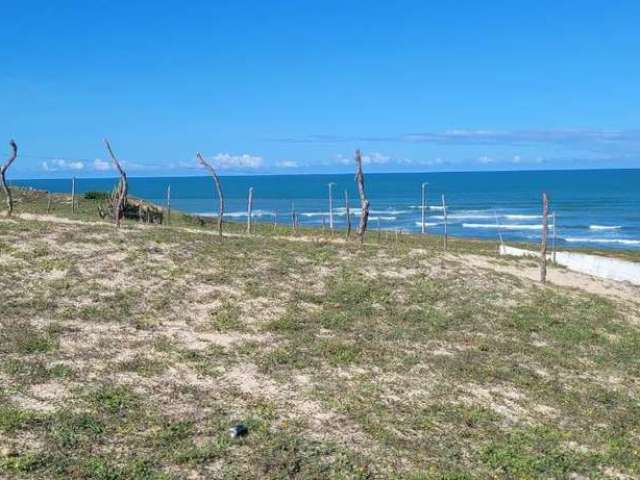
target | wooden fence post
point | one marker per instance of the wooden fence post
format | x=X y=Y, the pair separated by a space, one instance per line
x=348 y=212
x=249 y=209
x=364 y=202
x=3 y=179
x=554 y=238
x=545 y=233
x=168 y=204
x=423 y=206
x=444 y=214
x=218 y=185
x=331 y=184
x=73 y=194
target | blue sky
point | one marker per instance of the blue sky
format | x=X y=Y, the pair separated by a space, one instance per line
x=296 y=86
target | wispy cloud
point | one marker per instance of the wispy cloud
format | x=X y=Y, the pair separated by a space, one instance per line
x=287 y=164
x=101 y=165
x=487 y=137
x=62 y=165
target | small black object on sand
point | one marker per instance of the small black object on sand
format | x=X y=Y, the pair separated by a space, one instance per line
x=238 y=430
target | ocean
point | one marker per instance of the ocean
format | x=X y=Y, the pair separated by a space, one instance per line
x=594 y=208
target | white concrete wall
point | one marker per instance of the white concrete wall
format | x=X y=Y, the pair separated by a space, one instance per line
x=598 y=266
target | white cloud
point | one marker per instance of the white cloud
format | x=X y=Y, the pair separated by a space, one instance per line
x=287 y=164
x=61 y=164
x=226 y=161
x=486 y=160
x=375 y=158
x=101 y=165
x=516 y=159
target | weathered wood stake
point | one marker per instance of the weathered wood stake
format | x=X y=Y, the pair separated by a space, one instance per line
x=554 y=238
x=48 y=203
x=331 y=184
x=73 y=195
x=364 y=202
x=423 y=207
x=275 y=220
x=545 y=233
x=348 y=212
x=3 y=179
x=444 y=214
x=249 y=209
x=168 y=204
x=218 y=185
x=120 y=195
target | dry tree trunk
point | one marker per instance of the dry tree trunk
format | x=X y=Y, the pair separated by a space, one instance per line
x=3 y=179
x=249 y=209
x=120 y=198
x=348 y=212
x=364 y=202
x=48 y=204
x=545 y=233
x=216 y=181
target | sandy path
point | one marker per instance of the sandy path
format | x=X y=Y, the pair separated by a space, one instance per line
x=558 y=276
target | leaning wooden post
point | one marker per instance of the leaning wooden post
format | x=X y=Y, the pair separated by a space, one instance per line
x=73 y=194
x=275 y=220
x=423 y=206
x=444 y=214
x=364 y=202
x=293 y=217
x=249 y=209
x=218 y=185
x=545 y=233
x=348 y=212
x=48 y=203
x=120 y=198
x=3 y=179
x=168 y=204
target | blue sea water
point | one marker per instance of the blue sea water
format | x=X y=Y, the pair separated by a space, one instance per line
x=596 y=208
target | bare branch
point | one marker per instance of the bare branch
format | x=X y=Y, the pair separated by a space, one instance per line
x=3 y=179
x=364 y=202
x=120 y=194
x=218 y=185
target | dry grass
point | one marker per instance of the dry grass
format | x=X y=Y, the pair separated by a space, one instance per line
x=129 y=354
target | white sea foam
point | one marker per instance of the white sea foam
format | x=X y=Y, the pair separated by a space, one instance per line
x=605 y=227
x=255 y=213
x=521 y=217
x=427 y=224
x=502 y=226
x=383 y=217
x=621 y=241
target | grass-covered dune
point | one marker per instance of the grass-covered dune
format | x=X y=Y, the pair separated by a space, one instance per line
x=129 y=353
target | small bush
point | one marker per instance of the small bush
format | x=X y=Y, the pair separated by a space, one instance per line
x=97 y=196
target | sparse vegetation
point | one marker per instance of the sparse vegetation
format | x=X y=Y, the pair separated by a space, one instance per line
x=128 y=354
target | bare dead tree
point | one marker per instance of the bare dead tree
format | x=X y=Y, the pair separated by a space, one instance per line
x=120 y=195
x=3 y=179
x=545 y=233
x=249 y=209
x=364 y=202
x=348 y=212
x=218 y=185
